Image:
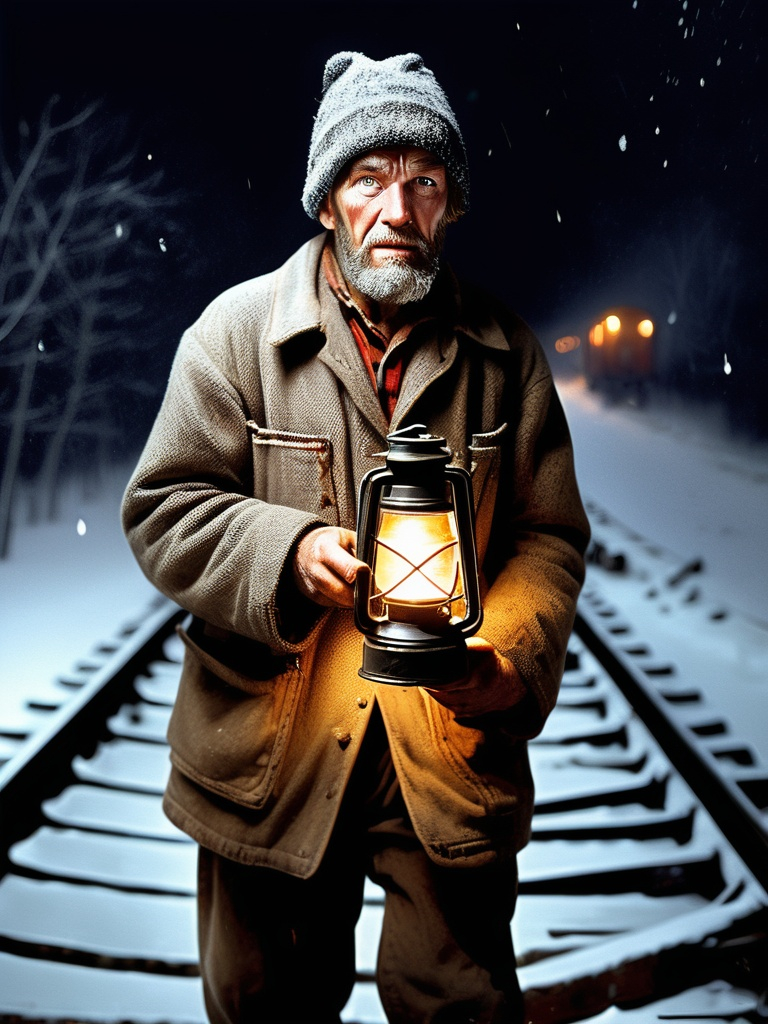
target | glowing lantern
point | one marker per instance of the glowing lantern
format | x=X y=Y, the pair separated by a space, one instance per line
x=419 y=597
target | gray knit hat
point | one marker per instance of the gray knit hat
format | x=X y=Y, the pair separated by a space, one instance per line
x=368 y=104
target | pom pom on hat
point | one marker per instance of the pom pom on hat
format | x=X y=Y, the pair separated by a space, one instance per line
x=369 y=104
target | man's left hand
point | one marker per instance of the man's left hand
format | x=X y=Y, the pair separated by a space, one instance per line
x=492 y=683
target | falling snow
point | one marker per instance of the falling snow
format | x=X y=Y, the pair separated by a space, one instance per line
x=163 y=247
x=81 y=527
x=623 y=143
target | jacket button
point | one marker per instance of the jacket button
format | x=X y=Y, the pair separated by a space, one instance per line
x=362 y=702
x=343 y=737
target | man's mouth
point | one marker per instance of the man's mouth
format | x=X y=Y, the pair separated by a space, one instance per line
x=394 y=248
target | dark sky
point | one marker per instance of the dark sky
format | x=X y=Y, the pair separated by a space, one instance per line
x=589 y=125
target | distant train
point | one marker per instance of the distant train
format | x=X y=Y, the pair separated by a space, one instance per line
x=620 y=349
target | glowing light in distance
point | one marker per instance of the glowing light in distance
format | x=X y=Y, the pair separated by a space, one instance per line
x=613 y=324
x=596 y=335
x=645 y=328
x=568 y=343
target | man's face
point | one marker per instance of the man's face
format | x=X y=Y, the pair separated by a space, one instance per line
x=387 y=211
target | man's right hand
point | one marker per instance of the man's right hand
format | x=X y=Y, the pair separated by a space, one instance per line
x=324 y=566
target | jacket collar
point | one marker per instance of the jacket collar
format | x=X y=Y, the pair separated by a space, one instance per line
x=296 y=307
x=295 y=303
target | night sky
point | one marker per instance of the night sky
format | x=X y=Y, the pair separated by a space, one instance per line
x=592 y=128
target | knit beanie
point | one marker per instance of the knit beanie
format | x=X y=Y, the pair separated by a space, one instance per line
x=369 y=104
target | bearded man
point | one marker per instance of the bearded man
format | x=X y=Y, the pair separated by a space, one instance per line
x=295 y=776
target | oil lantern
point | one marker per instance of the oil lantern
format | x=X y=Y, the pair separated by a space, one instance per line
x=419 y=597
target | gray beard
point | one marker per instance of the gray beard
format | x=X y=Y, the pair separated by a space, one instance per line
x=396 y=281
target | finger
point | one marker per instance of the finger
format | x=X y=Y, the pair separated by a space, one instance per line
x=338 y=560
x=348 y=540
x=323 y=585
x=479 y=644
x=335 y=548
x=456 y=702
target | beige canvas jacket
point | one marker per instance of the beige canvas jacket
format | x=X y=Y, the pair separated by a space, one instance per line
x=267 y=427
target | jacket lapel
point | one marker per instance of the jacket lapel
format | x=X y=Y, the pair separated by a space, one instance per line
x=342 y=356
x=433 y=356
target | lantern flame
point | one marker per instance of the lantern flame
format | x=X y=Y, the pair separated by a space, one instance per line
x=416 y=560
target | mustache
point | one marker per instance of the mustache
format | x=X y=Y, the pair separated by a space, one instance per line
x=407 y=237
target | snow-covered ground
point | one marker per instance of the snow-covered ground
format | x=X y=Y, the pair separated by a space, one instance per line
x=686 y=503
x=66 y=587
x=675 y=474
x=669 y=474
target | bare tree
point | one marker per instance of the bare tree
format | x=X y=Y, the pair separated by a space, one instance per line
x=72 y=204
x=27 y=254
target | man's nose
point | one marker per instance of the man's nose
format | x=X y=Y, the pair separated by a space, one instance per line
x=396 y=207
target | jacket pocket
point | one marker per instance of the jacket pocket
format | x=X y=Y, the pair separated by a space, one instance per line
x=485 y=466
x=294 y=470
x=228 y=731
x=485 y=757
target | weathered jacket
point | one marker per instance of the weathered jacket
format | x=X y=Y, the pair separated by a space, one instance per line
x=267 y=427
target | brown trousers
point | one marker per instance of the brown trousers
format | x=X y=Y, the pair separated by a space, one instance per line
x=275 y=949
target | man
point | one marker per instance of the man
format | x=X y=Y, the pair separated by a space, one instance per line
x=294 y=775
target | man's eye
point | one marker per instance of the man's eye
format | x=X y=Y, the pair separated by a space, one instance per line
x=426 y=182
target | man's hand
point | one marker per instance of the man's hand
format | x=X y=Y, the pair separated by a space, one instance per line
x=492 y=683
x=324 y=566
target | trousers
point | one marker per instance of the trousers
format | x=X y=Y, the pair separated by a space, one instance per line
x=275 y=949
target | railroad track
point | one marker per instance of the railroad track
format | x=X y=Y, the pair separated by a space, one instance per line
x=642 y=892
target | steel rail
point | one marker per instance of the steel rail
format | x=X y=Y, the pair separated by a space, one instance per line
x=736 y=816
x=43 y=761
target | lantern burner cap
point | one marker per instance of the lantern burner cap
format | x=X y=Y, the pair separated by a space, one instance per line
x=416 y=444
x=414 y=498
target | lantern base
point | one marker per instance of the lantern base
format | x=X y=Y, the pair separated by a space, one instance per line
x=442 y=661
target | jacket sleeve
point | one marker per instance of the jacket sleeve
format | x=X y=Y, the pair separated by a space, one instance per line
x=535 y=559
x=189 y=513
